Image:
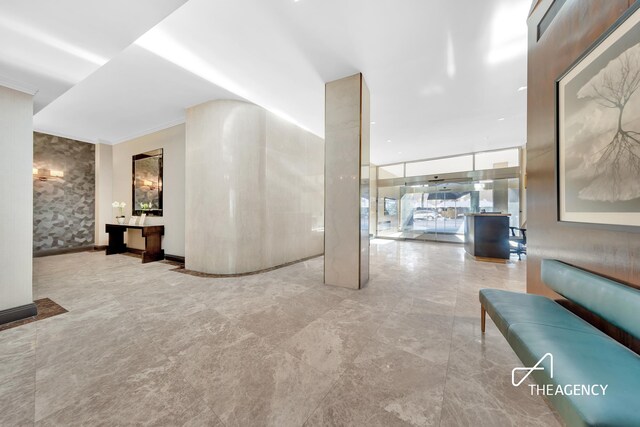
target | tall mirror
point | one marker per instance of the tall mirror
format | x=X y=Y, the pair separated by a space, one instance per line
x=147 y=183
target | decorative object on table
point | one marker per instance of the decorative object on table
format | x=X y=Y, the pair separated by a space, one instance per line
x=120 y=206
x=133 y=220
x=599 y=130
x=142 y=218
x=147 y=183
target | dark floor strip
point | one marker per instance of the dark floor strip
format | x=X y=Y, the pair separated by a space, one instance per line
x=46 y=308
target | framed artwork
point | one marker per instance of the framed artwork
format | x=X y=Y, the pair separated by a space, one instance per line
x=390 y=206
x=598 y=130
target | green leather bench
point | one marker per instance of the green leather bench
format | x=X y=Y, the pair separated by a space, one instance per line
x=581 y=354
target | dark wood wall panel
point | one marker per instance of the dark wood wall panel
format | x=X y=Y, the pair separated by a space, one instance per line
x=612 y=253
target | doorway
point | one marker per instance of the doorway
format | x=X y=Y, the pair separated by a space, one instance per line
x=436 y=211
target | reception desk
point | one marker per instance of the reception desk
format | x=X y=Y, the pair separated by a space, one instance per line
x=487 y=236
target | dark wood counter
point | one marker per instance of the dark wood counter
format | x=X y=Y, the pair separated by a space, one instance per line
x=153 y=240
x=487 y=236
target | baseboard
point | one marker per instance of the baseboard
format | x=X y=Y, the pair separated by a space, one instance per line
x=62 y=251
x=174 y=258
x=18 y=313
x=250 y=273
x=99 y=248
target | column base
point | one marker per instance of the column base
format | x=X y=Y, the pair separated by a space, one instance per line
x=18 y=313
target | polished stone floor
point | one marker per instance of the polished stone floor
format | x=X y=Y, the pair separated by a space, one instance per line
x=143 y=345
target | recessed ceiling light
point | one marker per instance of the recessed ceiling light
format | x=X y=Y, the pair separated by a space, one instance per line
x=388 y=140
x=522 y=88
x=501 y=119
x=399 y=152
x=373 y=123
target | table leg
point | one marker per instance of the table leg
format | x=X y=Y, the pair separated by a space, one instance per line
x=152 y=246
x=116 y=242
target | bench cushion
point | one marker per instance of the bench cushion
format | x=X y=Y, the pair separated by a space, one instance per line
x=507 y=308
x=613 y=301
x=583 y=358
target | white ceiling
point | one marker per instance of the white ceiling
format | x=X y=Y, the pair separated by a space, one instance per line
x=50 y=46
x=441 y=73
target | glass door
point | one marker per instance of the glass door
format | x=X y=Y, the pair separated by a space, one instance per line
x=436 y=212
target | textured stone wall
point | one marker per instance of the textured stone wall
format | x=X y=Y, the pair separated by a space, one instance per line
x=63 y=209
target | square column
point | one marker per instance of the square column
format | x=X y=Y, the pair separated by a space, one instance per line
x=16 y=213
x=346 y=210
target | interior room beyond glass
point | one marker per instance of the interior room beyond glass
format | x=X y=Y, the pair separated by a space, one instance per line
x=437 y=211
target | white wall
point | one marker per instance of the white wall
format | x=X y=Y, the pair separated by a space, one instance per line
x=172 y=141
x=16 y=193
x=104 y=192
x=254 y=192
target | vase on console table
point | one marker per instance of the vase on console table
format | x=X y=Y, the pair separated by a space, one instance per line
x=120 y=206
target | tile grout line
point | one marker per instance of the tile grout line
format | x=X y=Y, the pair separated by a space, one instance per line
x=331 y=387
x=446 y=377
x=35 y=371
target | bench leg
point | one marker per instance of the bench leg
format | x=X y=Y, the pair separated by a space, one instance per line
x=483 y=318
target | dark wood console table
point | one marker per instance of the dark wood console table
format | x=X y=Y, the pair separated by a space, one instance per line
x=153 y=240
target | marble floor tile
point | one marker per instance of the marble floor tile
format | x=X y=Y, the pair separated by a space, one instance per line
x=17 y=375
x=477 y=389
x=274 y=324
x=344 y=407
x=426 y=336
x=333 y=340
x=148 y=391
x=144 y=345
x=407 y=386
x=251 y=383
x=313 y=303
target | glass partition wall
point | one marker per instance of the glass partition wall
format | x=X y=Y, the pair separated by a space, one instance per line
x=426 y=210
x=437 y=211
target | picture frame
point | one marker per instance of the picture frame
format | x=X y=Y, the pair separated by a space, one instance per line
x=390 y=206
x=133 y=220
x=598 y=130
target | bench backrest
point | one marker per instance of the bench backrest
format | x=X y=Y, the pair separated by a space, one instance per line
x=616 y=303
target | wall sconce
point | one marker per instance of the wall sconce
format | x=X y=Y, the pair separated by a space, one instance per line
x=146 y=183
x=46 y=174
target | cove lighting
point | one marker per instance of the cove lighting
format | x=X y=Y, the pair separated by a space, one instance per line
x=162 y=44
x=47 y=39
x=165 y=46
x=508 y=32
x=451 y=61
